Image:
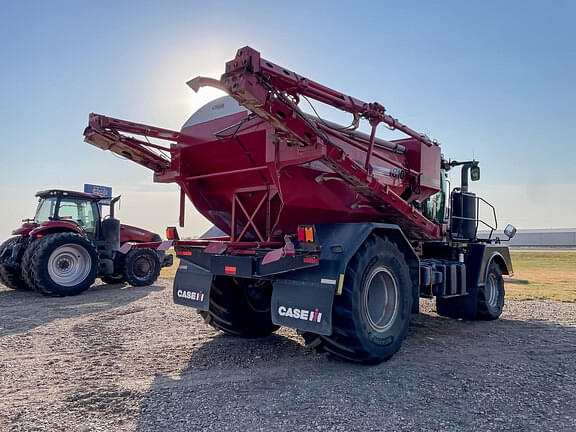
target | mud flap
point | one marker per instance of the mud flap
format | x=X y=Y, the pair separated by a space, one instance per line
x=303 y=305
x=192 y=286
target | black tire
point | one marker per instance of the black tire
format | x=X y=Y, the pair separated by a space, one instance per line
x=141 y=267
x=10 y=273
x=114 y=279
x=364 y=329
x=62 y=264
x=26 y=264
x=491 y=295
x=479 y=304
x=240 y=307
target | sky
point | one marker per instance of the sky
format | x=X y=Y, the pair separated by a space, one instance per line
x=493 y=80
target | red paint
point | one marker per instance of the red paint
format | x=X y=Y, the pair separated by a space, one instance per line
x=264 y=175
x=129 y=233
x=25 y=229
x=56 y=226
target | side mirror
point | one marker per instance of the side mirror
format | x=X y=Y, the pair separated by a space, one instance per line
x=510 y=231
x=475 y=173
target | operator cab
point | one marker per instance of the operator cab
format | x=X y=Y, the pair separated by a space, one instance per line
x=68 y=206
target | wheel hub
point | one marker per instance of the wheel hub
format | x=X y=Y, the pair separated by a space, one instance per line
x=69 y=265
x=142 y=266
x=491 y=291
x=381 y=298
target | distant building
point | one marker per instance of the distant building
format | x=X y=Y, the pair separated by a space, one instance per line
x=539 y=237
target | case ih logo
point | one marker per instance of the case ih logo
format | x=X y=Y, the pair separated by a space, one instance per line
x=191 y=295
x=303 y=314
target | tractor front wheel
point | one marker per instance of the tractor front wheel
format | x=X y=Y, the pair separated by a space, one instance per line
x=141 y=267
x=62 y=264
x=10 y=273
x=491 y=295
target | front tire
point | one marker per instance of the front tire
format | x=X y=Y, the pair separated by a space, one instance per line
x=370 y=318
x=491 y=295
x=10 y=273
x=63 y=264
x=240 y=307
x=141 y=267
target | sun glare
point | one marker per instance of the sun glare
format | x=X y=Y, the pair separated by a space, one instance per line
x=204 y=95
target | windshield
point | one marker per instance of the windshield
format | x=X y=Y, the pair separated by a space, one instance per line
x=434 y=207
x=45 y=210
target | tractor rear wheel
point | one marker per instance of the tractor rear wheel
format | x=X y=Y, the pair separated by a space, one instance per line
x=141 y=267
x=62 y=264
x=26 y=264
x=370 y=318
x=10 y=274
x=240 y=307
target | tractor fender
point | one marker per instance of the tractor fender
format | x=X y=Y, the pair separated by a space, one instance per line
x=25 y=229
x=56 y=226
x=501 y=256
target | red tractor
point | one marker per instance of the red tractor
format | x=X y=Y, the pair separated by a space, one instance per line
x=68 y=245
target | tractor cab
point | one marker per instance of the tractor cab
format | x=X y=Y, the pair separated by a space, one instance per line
x=68 y=206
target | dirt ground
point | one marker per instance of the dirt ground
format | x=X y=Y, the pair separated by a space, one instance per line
x=128 y=359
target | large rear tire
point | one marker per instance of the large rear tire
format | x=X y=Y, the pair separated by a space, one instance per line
x=26 y=264
x=10 y=273
x=370 y=318
x=62 y=264
x=240 y=307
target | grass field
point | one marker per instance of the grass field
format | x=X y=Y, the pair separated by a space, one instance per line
x=537 y=275
x=543 y=275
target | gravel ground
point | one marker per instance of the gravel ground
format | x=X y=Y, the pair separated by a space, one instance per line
x=128 y=359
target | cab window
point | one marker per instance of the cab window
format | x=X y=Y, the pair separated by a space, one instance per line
x=82 y=212
x=46 y=210
x=434 y=207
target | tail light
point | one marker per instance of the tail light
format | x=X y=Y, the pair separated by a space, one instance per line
x=172 y=233
x=306 y=234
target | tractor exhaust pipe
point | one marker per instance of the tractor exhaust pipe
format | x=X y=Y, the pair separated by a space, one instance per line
x=112 y=204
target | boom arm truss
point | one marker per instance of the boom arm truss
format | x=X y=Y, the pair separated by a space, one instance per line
x=107 y=134
x=272 y=92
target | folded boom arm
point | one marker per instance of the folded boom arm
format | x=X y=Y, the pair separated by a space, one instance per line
x=106 y=133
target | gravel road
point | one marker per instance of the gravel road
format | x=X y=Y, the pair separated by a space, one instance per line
x=128 y=359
